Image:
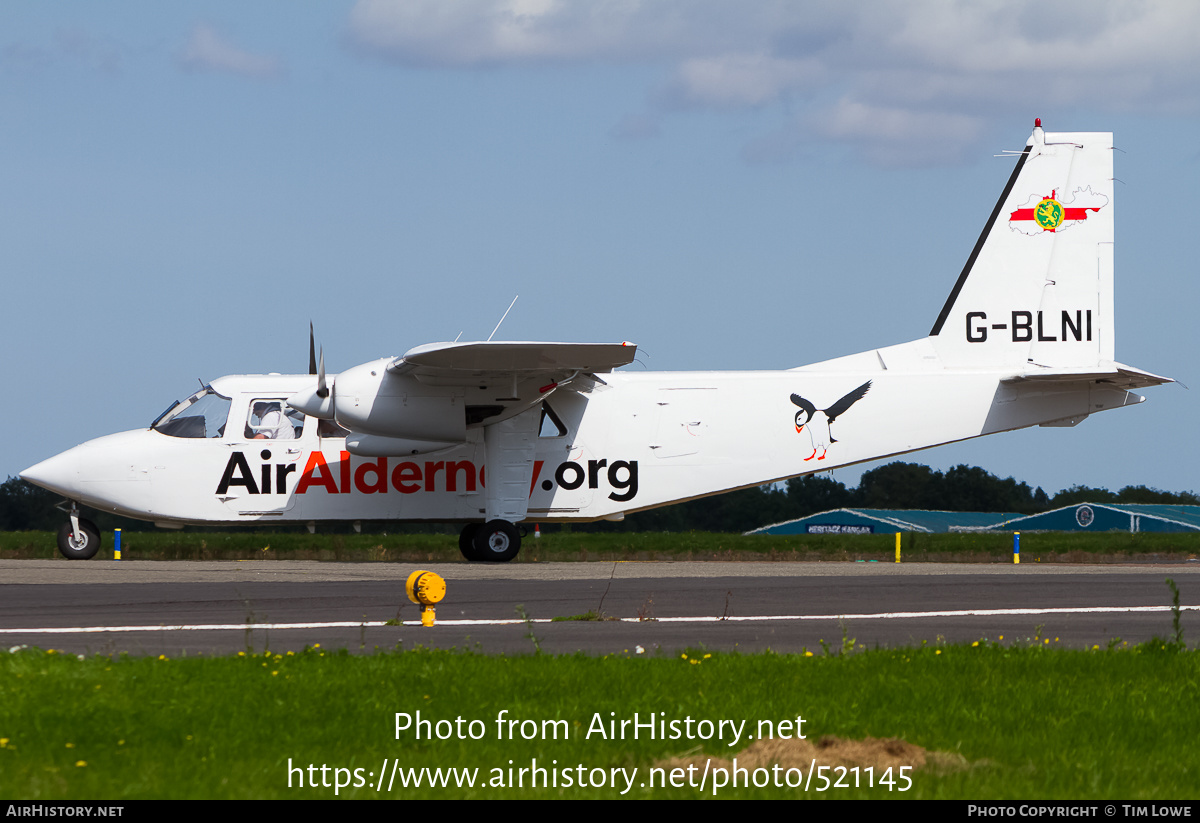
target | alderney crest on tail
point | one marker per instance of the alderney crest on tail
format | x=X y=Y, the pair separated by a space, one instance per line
x=1049 y=213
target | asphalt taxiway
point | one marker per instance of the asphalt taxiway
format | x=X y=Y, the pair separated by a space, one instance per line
x=185 y=607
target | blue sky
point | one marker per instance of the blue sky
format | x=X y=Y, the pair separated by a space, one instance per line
x=753 y=185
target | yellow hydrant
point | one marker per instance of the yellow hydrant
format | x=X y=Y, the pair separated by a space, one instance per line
x=425 y=588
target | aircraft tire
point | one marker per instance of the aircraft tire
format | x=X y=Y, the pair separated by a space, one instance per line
x=466 y=540
x=497 y=541
x=82 y=550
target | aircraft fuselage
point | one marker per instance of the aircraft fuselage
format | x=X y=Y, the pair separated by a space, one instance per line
x=644 y=440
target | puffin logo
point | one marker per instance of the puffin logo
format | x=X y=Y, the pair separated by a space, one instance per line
x=818 y=421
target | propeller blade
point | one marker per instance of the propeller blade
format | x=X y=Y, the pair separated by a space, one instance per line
x=322 y=389
x=312 y=350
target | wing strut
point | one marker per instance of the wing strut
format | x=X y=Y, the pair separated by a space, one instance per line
x=509 y=446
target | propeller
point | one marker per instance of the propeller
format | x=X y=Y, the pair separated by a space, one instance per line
x=315 y=402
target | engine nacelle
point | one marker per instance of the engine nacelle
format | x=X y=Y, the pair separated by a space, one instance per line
x=370 y=445
x=369 y=400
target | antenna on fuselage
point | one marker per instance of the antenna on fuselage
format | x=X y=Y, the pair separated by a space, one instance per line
x=506 y=311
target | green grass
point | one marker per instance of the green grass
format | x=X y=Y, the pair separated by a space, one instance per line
x=1030 y=721
x=580 y=546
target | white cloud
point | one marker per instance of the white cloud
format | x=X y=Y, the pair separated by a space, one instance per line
x=462 y=33
x=742 y=79
x=208 y=50
x=472 y=32
x=897 y=136
x=871 y=73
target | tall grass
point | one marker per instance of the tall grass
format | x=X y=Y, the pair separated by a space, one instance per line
x=1022 y=718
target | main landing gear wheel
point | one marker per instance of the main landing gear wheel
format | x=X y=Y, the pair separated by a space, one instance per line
x=83 y=549
x=497 y=541
x=466 y=540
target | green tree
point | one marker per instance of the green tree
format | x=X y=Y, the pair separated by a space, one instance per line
x=1081 y=494
x=971 y=489
x=1144 y=494
x=814 y=493
x=901 y=486
x=26 y=507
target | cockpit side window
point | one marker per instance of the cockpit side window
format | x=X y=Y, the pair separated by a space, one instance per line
x=204 y=414
x=272 y=419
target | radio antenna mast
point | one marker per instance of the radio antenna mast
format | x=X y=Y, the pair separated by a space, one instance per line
x=506 y=311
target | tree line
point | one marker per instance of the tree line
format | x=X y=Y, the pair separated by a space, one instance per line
x=896 y=485
x=25 y=507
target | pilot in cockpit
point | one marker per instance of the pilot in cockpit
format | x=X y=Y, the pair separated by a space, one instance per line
x=273 y=424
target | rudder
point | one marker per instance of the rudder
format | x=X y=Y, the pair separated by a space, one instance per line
x=1037 y=288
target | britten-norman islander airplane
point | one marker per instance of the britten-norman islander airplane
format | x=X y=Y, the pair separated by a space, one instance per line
x=495 y=433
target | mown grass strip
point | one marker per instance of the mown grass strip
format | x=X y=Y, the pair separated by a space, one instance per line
x=583 y=546
x=1025 y=720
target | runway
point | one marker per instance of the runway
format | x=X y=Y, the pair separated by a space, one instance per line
x=183 y=607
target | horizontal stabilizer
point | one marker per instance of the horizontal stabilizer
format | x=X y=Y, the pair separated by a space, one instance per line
x=1119 y=376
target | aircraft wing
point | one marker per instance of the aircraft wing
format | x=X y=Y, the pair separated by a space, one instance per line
x=502 y=357
x=1119 y=376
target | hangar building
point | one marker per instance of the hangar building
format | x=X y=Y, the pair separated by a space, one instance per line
x=887 y=521
x=1103 y=517
x=1092 y=517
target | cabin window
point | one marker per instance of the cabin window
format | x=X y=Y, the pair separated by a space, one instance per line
x=551 y=425
x=204 y=414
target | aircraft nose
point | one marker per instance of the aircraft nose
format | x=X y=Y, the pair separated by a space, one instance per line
x=59 y=474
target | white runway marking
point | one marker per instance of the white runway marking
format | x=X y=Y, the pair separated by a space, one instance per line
x=372 y=624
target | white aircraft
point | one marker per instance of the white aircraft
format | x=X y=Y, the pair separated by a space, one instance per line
x=495 y=433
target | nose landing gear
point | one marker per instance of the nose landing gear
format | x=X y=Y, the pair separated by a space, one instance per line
x=78 y=539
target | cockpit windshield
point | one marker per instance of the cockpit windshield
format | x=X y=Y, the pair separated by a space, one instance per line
x=204 y=414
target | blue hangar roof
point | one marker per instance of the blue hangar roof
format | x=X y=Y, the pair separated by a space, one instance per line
x=1102 y=517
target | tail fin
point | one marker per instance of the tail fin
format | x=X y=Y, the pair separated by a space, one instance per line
x=1037 y=290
